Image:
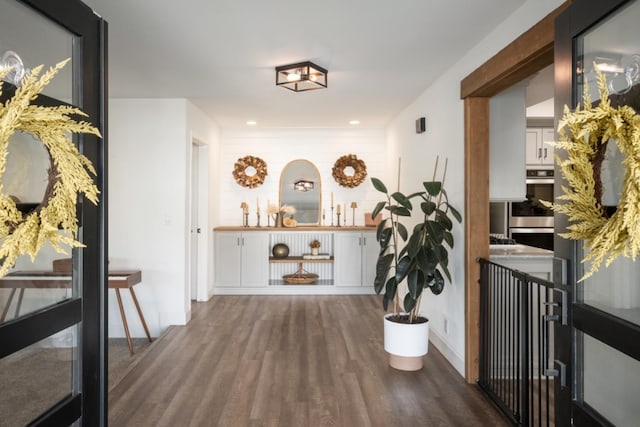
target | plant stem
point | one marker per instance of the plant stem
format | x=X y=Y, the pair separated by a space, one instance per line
x=394 y=236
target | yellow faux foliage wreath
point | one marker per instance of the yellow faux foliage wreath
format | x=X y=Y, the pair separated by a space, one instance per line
x=584 y=135
x=54 y=220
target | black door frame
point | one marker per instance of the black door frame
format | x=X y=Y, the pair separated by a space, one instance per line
x=89 y=310
x=613 y=331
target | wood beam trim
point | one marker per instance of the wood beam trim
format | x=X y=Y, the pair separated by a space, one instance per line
x=476 y=155
x=529 y=53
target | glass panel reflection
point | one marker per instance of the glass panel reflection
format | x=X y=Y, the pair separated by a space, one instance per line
x=36 y=40
x=36 y=378
x=31 y=39
x=615 y=290
x=613 y=47
x=611 y=383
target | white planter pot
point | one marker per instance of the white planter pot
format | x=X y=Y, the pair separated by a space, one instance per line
x=405 y=340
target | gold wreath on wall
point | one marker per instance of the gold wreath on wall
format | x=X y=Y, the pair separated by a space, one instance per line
x=584 y=135
x=54 y=220
x=359 y=171
x=240 y=171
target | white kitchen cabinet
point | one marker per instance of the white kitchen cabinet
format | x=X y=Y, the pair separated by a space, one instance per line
x=507 y=126
x=537 y=153
x=241 y=259
x=355 y=258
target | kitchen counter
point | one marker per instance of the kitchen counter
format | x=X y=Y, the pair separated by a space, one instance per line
x=534 y=261
x=518 y=251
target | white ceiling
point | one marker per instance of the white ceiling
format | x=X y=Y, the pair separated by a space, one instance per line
x=221 y=54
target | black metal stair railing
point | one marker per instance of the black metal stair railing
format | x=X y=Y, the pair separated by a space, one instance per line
x=517 y=312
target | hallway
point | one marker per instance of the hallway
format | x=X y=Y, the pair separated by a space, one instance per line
x=289 y=361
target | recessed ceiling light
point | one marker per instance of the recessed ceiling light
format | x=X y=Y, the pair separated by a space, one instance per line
x=354 y=122
x=252 y=122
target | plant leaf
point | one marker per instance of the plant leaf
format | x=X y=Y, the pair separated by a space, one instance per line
x=443 y=219
x=412 y=195
x=455 y=213
x=399 y=210
x=402 y=231
x=416 y=282
x=402 y=199
x=448 y=237
x=428 y=207
x=384 y=237
x=409 y=303
x=403 y=268
x=378 y=209
x=433 y=187
x=385 y=303
x=391 y=288
x=437 y=285
x=378 y=185
x=435 y=231
x=383 y=265
x=427 y=260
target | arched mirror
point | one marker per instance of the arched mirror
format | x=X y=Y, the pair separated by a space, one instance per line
x=301 y=188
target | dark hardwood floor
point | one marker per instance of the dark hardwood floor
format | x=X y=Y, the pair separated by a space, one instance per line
x=290 y=361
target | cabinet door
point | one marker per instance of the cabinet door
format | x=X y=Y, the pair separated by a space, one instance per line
x=348 y=259
x=255 y=259
x=227 y=258
x=548 y=135
x=533 y=151
x=370 y=250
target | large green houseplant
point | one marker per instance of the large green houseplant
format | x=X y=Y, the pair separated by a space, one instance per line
x=411 y=262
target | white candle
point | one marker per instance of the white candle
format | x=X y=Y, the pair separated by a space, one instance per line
x=257 y=204
x=338 y=208
x=332 y=199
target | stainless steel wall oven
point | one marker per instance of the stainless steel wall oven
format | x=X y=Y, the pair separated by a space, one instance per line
x=530 y=222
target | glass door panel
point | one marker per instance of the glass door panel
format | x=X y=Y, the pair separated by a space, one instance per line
x=611 y=382
x=37 y=40
x=613 y=47
x=606 y=367
x=29 y=39
x=37 y=377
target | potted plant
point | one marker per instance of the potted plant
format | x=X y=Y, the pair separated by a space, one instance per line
x=411 y=262
x=315 y=246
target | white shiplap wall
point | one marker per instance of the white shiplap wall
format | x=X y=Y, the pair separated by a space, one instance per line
x=277 y=147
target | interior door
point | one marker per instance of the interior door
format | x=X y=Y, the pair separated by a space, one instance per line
x=603 y=341
x=53 y=338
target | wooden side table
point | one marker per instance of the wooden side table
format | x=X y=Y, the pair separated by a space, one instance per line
x=22 y=280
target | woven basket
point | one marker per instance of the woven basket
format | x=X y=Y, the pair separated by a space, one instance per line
x=300 y=277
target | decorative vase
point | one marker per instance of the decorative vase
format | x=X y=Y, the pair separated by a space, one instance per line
x=406 y=343
x=280 y=250
x=278 y=221
x=315 y=251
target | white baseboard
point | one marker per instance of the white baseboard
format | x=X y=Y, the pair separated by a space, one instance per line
x=456 y=360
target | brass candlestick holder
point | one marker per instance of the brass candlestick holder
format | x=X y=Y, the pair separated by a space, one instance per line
x=258 y=219
x=354 y=205
x=245 y=222
x=338 y=215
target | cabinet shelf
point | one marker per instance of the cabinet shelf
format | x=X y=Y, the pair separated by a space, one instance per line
x=299 y=259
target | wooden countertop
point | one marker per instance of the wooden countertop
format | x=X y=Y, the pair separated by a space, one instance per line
x=288 y=229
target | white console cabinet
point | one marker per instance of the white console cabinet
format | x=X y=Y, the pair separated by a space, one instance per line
x=241 y=259
x=244 y=264
x=355 y=260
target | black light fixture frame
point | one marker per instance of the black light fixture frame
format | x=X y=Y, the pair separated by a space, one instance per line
x=305 y=83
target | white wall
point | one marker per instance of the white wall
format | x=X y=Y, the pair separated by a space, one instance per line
x=149 y=180
x=277 y=147
x=442 y=106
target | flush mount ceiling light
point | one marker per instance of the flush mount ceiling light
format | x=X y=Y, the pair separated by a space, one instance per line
x=301 y=77
x=303 y=185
